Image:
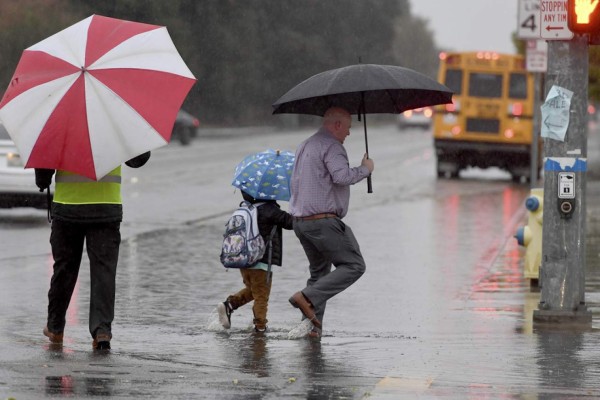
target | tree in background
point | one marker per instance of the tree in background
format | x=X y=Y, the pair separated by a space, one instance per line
x=24 y=23
x=244 y=53
x=414 y=47
x=594 y=74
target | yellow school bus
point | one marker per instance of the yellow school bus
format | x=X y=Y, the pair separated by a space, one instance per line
x=490 y=120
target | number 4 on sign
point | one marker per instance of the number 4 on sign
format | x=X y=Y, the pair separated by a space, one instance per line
x=528 y=26
x=529 y=23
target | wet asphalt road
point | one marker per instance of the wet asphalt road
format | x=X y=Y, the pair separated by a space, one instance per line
x=442 y=312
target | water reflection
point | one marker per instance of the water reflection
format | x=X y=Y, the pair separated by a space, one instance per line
x=60 y=385
x=560 y=367
x=319 y=372
x=70 y=386
x=255 y=356
x=473 y=225
x=312 y=357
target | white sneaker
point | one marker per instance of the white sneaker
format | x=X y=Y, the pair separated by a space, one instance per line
x=225 y=311
x=301 y=330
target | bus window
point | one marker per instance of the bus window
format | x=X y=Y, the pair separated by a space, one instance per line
x=517 y=87
x=485 y=85
x=454 y=80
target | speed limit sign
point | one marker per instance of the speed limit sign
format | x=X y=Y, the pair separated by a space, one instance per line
x=528 y=19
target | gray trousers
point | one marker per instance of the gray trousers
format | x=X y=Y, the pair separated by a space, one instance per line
x=328 y=242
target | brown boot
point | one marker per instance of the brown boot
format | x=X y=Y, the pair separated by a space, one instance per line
x=299 y=301
x=56 y=338
x=102 y=341
x=314 y=333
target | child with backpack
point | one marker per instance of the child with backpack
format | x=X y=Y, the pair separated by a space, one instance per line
x=257 y=279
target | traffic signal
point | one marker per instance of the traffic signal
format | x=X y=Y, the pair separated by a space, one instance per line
x=583 y=16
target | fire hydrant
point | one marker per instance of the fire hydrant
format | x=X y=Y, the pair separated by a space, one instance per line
x=530 y=235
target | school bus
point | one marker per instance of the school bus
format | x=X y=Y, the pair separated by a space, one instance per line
x=490 y=120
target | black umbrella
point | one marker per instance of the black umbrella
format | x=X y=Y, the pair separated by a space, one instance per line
x=362 y=89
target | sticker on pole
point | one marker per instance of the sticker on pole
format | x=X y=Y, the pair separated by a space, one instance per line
x=566 y=185
x=555 y=113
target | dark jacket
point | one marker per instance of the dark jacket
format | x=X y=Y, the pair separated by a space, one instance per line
x=270 y=214
x=86 y=212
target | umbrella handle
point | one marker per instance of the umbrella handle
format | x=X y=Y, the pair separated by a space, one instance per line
x=369 y=183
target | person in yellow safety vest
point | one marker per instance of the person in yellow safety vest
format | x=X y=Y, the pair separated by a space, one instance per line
x=84 y=209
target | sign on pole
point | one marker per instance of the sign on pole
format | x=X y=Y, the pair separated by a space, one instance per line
x=554 y=21
x=537 y=55
x=528 y=19
x=566 y=185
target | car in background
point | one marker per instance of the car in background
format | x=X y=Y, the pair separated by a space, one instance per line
x=17 y=184
x=185 y=127
x=417 y=118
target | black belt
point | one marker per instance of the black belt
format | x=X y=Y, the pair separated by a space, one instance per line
x=316 y=216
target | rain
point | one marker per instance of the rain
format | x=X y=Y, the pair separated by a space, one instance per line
x=443 y=310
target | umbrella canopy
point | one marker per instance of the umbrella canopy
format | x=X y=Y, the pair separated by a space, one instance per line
x=363 y=88
x=94 y=95
x=265 y=175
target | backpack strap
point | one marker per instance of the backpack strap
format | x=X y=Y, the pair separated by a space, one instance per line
x=251 y=205
x=270 y=244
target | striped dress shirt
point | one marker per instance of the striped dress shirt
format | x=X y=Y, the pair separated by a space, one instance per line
x=322 y=177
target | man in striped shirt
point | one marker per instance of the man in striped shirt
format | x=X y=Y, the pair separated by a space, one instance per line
x=320 y=190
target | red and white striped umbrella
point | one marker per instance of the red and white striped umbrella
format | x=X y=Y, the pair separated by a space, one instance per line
x=95 y=95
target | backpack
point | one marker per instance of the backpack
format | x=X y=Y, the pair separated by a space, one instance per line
x=242 y=244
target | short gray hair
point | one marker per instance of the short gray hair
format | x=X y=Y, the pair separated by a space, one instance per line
x=335 y=114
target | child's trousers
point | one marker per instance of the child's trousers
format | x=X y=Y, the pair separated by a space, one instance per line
x=256 y=289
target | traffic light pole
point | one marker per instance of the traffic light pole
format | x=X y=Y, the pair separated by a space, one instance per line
x=562 y=274
x=535 y=143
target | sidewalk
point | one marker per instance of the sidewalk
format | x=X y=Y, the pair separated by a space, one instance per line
x=506 y=356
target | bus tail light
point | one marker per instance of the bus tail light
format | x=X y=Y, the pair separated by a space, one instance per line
x=591 y=109
x=453 y=59
x=515 y=109
x=509 y=133
x=455 y=130
x=453 y=107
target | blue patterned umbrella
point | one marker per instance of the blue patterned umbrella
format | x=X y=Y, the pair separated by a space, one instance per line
x=265 y=175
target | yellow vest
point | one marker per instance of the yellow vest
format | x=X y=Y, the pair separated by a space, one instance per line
x=71 y=188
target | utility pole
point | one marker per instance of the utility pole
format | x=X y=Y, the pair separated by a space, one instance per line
x=534 y=167
x=562 y=274
x=563 y=239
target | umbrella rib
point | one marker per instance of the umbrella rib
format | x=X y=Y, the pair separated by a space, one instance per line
x=393 y=101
